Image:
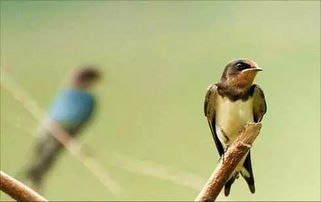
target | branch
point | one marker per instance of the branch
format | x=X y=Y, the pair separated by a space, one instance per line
x=232 y=157
x=17 y=190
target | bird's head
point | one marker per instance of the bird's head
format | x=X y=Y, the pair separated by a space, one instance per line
x=85 y=76
x=240 y=73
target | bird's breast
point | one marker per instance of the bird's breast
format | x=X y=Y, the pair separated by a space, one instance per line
x=231 y=117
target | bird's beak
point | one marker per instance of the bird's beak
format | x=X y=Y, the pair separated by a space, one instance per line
x=257 y=69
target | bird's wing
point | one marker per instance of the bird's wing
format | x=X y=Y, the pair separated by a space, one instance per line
x=259 y=105
x=75 y=128
x=92 y=110
x=259 y=109
x=209 y=110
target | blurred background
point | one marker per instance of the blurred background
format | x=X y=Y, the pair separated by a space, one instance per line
x=158 y=59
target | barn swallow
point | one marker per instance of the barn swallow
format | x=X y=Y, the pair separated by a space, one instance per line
x=229 y=105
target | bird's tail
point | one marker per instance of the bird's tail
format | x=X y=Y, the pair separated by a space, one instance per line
x=46 y=151
x=228 y=184
x=34 y=178
x=247 y=173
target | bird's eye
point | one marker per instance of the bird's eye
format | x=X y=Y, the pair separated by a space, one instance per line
x=240 y=66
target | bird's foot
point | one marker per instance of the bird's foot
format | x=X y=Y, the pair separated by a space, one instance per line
x=225 y=150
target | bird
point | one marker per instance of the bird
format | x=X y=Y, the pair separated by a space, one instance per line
x=230 y=104
x=72 y=108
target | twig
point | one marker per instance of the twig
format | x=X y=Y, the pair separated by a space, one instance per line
x=17 y=190
x=75 y=149
x=153 y=169
x=232 y=157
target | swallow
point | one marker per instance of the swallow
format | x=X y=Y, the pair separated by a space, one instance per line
x=72 y=109
x=229 y=105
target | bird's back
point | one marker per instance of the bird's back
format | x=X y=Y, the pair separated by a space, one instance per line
x=72 y=106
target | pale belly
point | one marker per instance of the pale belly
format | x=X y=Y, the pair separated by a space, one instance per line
x=231 y=118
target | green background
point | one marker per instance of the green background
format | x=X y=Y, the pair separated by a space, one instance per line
x=158 y=59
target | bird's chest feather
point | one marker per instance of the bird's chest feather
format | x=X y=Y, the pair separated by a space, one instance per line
x=231 y=117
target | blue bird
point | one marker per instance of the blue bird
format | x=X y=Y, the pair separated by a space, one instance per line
x=72 y=109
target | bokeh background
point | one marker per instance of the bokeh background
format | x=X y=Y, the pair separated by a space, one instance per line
x=158 y=59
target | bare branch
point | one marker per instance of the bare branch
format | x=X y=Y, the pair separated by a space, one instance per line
x=232 y=157
x=17 y=190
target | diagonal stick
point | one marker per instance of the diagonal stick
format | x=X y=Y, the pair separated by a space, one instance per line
x=18 y=190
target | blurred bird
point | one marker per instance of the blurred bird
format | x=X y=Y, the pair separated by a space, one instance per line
x=71 y=109
x=229 y=105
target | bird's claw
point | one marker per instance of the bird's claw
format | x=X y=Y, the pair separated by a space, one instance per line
x=225 y=150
